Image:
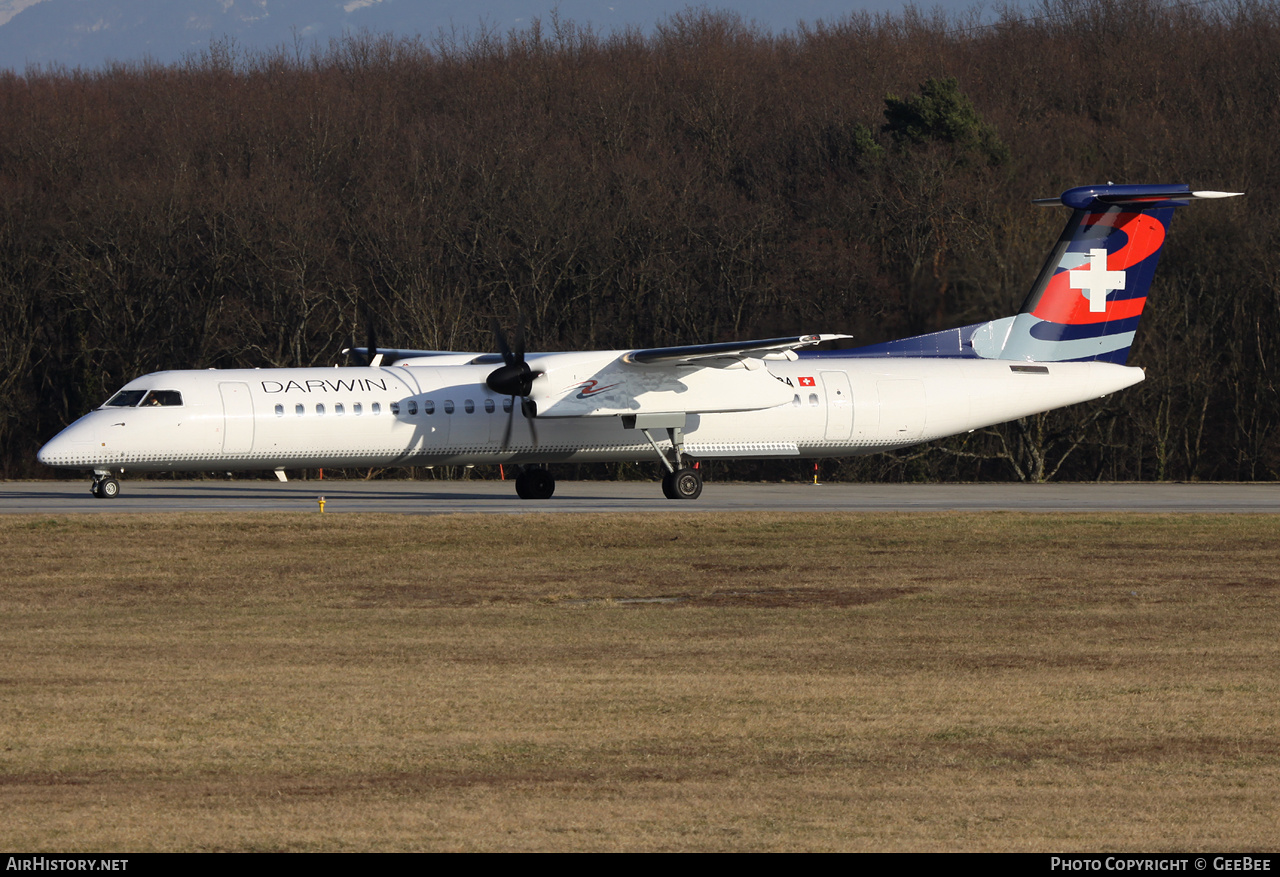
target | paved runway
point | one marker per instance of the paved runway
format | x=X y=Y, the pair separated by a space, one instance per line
x=445 y=497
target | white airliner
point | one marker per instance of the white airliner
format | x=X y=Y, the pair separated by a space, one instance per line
x=772 y=398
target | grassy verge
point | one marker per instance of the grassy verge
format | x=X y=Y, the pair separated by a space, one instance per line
x=702 y=681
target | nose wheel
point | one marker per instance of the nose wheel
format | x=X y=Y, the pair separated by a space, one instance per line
x=104 y=487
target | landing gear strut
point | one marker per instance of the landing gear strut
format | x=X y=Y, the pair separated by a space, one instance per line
x=535 y=484
x=104 y=486
x=681 y=481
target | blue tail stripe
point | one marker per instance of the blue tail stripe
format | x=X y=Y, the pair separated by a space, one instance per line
x=1046 y=331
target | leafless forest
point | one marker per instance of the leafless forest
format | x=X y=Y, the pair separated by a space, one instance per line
x=706 y=182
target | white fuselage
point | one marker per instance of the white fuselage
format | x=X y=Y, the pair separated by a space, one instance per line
x=421 y=415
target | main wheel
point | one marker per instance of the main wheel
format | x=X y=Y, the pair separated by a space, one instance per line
x=669 y=486
x=108 y=488
x=685 y=484
x=538 y=484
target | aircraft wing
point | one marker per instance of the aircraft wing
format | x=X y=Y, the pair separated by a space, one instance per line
x=390 y=356
x=726 y=353
x=697 y=378
x=719 y=355
x=729 y=376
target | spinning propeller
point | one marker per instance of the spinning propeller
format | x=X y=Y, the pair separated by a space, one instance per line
x=513 y=378
x=369 y=356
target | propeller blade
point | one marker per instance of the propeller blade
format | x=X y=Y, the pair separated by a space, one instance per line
x=533 y=430
x=511 y=417
x=354 y=357
x=513 y=378
x=501 y=338
x=372 y=357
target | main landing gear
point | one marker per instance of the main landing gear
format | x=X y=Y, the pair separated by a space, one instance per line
x=681 y=481
x=104 y=486
x=535 y=484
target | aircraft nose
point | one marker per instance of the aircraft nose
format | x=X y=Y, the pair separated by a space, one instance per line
x=71 y=447
x=55 y=451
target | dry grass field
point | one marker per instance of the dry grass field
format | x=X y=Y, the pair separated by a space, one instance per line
x=682 y=682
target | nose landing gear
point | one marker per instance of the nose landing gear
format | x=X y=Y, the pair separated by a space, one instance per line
x=104 y=486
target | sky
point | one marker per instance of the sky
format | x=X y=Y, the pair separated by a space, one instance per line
x=89 y=33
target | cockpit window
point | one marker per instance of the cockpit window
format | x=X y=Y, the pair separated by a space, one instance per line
x=125 y=399
x=162 y=399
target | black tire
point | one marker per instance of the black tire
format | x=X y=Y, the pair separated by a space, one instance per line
x=686 y=483
x=539 y=484
x=95 y=489
x=108 y=488
x=669 y=486
x=522 y=486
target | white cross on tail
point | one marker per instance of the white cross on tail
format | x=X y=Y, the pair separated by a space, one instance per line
x=1096 y=281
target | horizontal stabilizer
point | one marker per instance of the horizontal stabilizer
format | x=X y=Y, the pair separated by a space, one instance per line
x=1145 y=197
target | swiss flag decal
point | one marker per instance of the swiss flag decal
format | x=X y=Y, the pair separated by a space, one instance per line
x=807 y=382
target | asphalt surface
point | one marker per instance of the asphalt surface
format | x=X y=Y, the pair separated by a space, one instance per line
x=447 y=497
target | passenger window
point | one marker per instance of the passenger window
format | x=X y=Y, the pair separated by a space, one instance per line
x=796 y=401
x=300 y=409
x=506 y=405
x=413 y=409
x=489 y=406
x=338 y=410
x=469 y=406
x=376 y=408
x=813 y=400
x=357 y=409
x=448 y=406
x=395 y=408
x=279 y=411
x=320 y=409
x=428 y=407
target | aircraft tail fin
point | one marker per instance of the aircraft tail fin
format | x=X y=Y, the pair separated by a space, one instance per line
x=1086 y=301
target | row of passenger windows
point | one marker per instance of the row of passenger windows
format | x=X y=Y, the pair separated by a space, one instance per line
x=167 y=398
x=409 y=407
x=172 y=398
